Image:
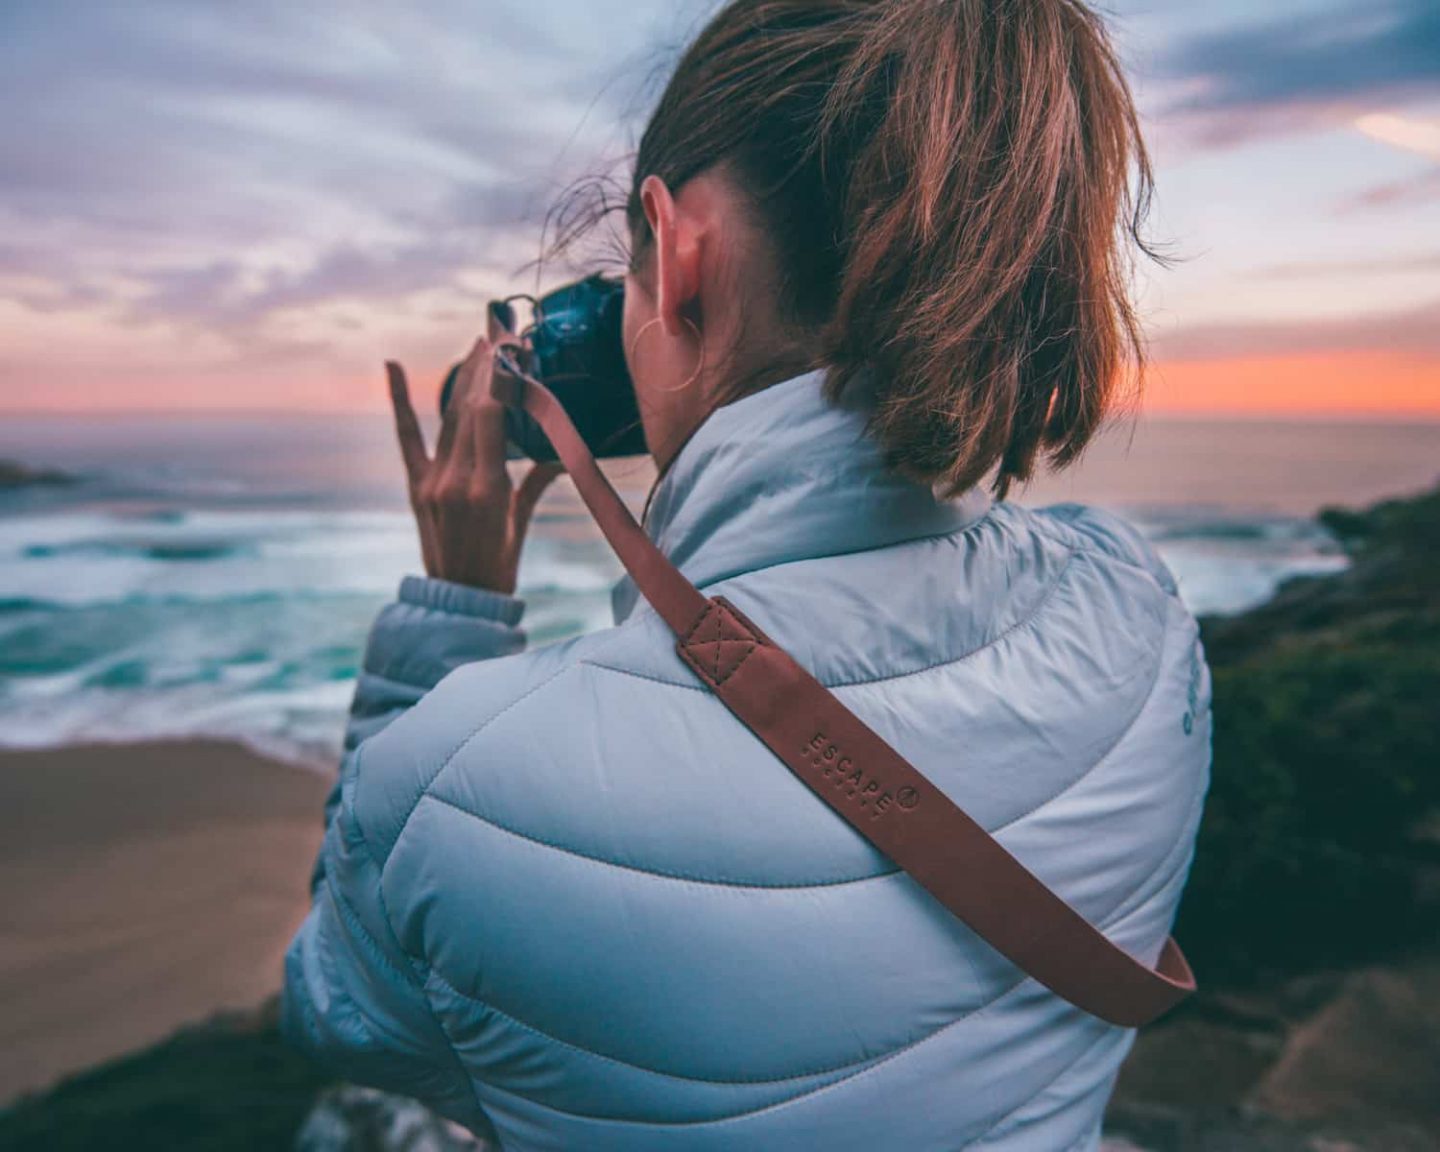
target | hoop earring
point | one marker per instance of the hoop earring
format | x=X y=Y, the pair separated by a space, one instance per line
x=699 y=339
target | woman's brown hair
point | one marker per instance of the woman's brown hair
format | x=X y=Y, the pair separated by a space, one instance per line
x=947 y=187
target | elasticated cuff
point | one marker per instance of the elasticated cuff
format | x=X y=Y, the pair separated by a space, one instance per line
x=461 y=600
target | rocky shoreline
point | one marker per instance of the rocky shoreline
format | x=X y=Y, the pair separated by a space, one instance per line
x=1313 y=913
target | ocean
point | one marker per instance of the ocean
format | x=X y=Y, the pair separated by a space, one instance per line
x=216 y=576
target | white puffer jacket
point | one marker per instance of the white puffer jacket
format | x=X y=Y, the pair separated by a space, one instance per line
x=567 y=898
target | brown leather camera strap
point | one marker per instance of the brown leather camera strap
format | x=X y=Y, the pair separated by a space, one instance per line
x=867 y=783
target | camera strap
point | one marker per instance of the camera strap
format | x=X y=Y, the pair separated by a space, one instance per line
x=865 y=781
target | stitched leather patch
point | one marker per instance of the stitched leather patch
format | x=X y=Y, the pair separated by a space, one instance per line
x=717 y=644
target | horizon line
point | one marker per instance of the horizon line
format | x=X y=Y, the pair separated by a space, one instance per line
x=1389 y=415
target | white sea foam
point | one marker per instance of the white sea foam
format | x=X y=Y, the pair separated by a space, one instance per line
x=1225 y=562
x=217 y=577
x=248 y=623
x=244 y=624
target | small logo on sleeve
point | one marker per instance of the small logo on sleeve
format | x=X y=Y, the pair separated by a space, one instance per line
x=1192 y=692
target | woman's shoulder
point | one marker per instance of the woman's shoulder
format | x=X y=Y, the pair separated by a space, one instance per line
x=466 y=715
x=1100 y=532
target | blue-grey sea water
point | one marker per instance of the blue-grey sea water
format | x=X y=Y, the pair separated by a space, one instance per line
x=217 y=576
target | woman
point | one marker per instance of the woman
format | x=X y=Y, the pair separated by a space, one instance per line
x=565 y=897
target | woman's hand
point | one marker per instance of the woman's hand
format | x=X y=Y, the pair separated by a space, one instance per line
x=472 y=518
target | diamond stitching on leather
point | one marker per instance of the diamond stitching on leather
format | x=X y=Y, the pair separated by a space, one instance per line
x=718 y=644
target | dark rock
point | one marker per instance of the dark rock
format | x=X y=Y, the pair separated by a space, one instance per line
x=1371 y=1054
x=13 y=474
x=228 y=1086
x=1348 y=1061
x=351 y=1119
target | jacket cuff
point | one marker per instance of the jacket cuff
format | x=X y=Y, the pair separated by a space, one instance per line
x=431 y=629
x=461 y=600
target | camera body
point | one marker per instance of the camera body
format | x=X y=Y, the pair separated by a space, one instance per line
x=575 y=348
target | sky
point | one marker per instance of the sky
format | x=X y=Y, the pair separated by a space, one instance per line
x=216 y=206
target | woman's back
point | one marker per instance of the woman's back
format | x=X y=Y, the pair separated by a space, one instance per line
x=876 y=251
x=570 y=896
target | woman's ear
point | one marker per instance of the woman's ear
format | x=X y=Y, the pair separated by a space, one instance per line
x=677 y=253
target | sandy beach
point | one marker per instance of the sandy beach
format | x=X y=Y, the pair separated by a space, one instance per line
x=146 y=887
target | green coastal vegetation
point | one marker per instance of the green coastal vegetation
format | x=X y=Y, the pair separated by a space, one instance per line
x=1321 y=840
x=1320 y=853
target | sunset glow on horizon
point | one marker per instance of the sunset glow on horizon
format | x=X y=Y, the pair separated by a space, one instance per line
x=206 y=211
x=1362 y=385
x=1358 y=384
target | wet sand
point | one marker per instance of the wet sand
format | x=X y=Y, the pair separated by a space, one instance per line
x=146 y=887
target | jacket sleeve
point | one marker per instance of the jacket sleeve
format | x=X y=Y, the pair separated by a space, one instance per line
x=352 y=997
x=431 y=629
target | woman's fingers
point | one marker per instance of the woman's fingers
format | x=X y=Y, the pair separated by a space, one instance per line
x=487 y=431
x=527 y=496
x=407 y=424
x=472 y=519
x=455 y=411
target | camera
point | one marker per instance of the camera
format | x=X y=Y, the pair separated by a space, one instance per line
x=574 y=347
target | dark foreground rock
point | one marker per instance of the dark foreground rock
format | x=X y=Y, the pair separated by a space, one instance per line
x=1325 y=1062
x=351 y=1119
x=231 y=1085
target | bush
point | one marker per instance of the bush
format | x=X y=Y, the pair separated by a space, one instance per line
x=1318 y=838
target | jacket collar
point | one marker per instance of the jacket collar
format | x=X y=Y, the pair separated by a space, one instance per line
x=780 y=475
